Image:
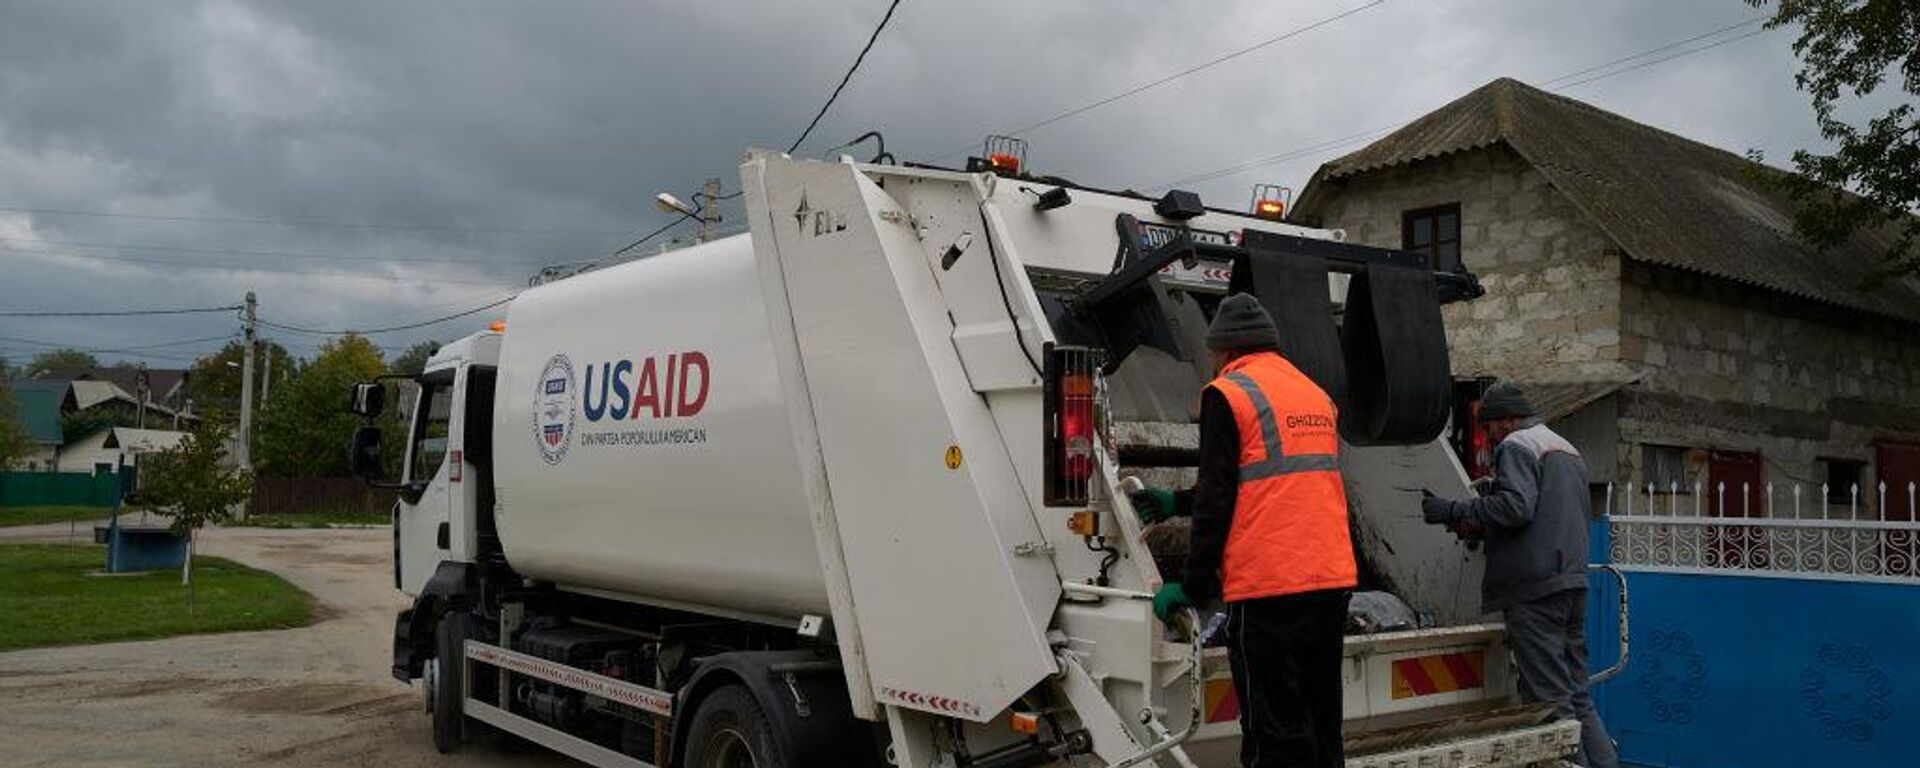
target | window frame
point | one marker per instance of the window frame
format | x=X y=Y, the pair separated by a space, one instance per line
x=1685 y=485
x=1840 y=494
x=1432 y=248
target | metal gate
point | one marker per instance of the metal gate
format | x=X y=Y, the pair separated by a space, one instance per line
x=1770 y=626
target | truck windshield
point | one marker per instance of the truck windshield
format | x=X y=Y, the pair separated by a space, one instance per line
x=430 y=434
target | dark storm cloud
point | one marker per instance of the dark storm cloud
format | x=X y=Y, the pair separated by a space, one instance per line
x=568 y=116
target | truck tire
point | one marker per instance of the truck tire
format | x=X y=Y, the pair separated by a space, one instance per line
x=449 y=718
x=730 y=731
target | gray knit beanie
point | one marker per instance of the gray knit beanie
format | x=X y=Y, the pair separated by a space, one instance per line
x=1242 y=324
x=1504 y=400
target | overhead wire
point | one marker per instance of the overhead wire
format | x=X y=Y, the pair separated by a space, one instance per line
x=1152 y=84
x=251 y=268
x=845 y=79
x=388 y=329
x=158 y=345
x=296 y=223
x=244 y=252
x=1605 y=70
x=122 y=312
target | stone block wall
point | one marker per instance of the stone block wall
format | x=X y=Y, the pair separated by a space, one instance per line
x=1738 y=368
x=1552 y=309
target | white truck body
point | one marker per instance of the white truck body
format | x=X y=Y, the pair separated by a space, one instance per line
x=834 y=428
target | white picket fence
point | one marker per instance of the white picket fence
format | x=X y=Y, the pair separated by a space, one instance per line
x=1767 y=531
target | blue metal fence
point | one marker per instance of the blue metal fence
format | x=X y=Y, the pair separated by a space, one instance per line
x=1738 y=666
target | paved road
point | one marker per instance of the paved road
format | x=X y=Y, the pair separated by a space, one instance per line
x=318 y=696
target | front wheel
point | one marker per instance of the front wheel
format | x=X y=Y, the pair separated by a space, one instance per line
x=447 y=690
x=730 y=731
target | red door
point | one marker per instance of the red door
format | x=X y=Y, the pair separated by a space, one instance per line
x=1899 y=468
x=1741 y=475
x=1734 y=489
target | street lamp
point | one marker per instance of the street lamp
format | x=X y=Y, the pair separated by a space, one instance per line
x=667 y=203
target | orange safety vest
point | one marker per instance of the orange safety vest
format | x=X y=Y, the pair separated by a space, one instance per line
x=1289 y=531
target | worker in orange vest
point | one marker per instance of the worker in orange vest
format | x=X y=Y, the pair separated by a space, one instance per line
x=1270 y=539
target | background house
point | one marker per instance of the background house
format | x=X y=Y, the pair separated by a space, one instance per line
x=1650 y=293
x=163 y=387
x=39 y=411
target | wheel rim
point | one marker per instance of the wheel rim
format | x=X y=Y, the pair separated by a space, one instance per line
x=727 y=748
x=430 y=682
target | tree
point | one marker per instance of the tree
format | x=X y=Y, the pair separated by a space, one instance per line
x=15 y=442
x=190 y=484
x=1847 y=48
x=305 y=428
x=414 y=360
x=61 y=364
x=214 y=380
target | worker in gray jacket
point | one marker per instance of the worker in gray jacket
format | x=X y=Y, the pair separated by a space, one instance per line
x=1534 y=521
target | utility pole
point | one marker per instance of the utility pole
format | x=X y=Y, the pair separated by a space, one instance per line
x=244 y=454
x=709 y=209
x=266 y=374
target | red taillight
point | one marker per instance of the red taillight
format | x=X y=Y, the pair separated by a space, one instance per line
x=1005 y=164
x=1076 y=425
x=1072 y=422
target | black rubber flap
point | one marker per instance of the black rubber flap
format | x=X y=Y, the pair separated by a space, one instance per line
x=1396 y=355
x=1293 y=288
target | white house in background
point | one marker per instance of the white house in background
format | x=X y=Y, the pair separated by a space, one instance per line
x=102 y=449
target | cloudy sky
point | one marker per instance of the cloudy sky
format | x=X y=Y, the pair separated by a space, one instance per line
x=360 y=164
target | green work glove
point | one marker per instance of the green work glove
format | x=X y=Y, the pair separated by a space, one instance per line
x=1152 y=505
x=1168 y=597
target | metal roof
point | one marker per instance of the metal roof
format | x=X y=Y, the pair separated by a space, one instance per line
x=1553 y=400
x=39 y=408
x=87 y=394
x=1663 y=198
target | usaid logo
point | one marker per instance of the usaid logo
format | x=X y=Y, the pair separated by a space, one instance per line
x=553 y=409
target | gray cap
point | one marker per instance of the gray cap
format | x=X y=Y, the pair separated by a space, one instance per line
x=1241 y=323
x=1504 y=400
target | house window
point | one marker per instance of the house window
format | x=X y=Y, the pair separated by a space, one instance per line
x=1842 y=475
x=1435 y=232
x=1665 y=468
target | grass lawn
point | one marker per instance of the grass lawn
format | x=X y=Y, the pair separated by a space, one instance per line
x=313 y=520
x=50 y=596
x=12 y=516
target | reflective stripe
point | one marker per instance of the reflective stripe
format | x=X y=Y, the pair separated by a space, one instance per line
x=1277 y=462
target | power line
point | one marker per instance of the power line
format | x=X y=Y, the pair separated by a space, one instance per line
x=1352 y=138
x=849 y=76
x=158 y=345
x=250 y=268
x=142 y=355
x=239 y=252
x=1649 y=52
x=1645 y=64
x=656 y=233
x=124 y=312
x=321 y=224
x=388 y=329
x=1150 y=85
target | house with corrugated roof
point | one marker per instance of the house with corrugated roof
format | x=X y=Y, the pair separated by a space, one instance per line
x=1650 y=292
x=38 y=404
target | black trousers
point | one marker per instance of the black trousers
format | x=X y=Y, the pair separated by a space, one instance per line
x=1285 y=653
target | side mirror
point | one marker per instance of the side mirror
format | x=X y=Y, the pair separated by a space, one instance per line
x=365 y=452
x=369 y=401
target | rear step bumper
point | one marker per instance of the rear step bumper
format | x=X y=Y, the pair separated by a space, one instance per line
x=1535 y=744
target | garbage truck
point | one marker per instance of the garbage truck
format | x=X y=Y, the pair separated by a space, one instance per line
x=855 y=488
